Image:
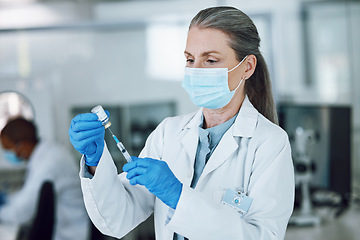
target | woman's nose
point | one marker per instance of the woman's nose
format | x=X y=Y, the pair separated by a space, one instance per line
x=197 y=64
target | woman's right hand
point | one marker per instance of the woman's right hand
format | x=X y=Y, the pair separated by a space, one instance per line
x=86 y=134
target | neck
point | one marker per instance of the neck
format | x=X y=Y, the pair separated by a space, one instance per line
x=214 y=117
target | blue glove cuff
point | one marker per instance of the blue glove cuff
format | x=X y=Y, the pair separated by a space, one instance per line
x=93 y=159
x=179 y=190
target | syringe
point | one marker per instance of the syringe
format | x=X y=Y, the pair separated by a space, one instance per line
x=104 y=118
x=121 y=147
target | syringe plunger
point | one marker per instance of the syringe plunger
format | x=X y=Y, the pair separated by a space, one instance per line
x=123 y=150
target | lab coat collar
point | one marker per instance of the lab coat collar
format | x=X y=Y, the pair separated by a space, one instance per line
x=195 y=121
x=245 y=122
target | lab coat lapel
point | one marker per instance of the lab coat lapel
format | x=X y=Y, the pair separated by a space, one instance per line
x=189 y=142
x=223 y=151
x=191 y=136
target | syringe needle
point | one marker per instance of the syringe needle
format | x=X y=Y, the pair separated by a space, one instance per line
x=110 y=131
x=121 y=148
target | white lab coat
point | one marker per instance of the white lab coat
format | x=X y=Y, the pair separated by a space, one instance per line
x=50 y=162
x=253 y=153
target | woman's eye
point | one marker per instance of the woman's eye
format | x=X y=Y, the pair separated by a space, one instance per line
x=189 y=60
x=211 y=61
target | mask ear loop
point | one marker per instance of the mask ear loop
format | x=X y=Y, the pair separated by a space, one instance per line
x=239 y=84
x=236 y=67
x=238 y=64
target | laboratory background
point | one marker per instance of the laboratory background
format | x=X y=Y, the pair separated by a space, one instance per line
x=59 y=58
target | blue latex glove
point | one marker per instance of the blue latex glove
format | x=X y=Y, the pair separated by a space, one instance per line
x=87 y=136
x=157 y=177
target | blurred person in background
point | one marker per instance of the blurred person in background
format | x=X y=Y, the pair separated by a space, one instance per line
x=45 y=162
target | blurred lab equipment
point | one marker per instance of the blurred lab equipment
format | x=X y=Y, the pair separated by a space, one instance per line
x=304 y=167
x=320 y=137
x=14 y=104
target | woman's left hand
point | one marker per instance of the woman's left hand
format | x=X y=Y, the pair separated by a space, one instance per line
x=157 y=177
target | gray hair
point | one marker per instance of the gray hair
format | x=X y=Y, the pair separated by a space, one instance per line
x=244 y=40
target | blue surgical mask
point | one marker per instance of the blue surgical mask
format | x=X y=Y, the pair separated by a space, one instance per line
x=208 y=87
x=12 y=158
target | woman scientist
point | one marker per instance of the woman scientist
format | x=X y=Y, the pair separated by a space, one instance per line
x=223 y=172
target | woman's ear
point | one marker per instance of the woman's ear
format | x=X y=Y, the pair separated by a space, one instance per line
x=250 y=62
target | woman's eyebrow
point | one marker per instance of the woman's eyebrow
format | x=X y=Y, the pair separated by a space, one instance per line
x=204 y=53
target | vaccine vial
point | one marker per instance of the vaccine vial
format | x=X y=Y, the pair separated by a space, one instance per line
x=103 y=117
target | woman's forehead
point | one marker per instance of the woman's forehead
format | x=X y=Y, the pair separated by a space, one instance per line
x=206 y=40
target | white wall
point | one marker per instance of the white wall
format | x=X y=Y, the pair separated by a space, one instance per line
x=86 y=68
